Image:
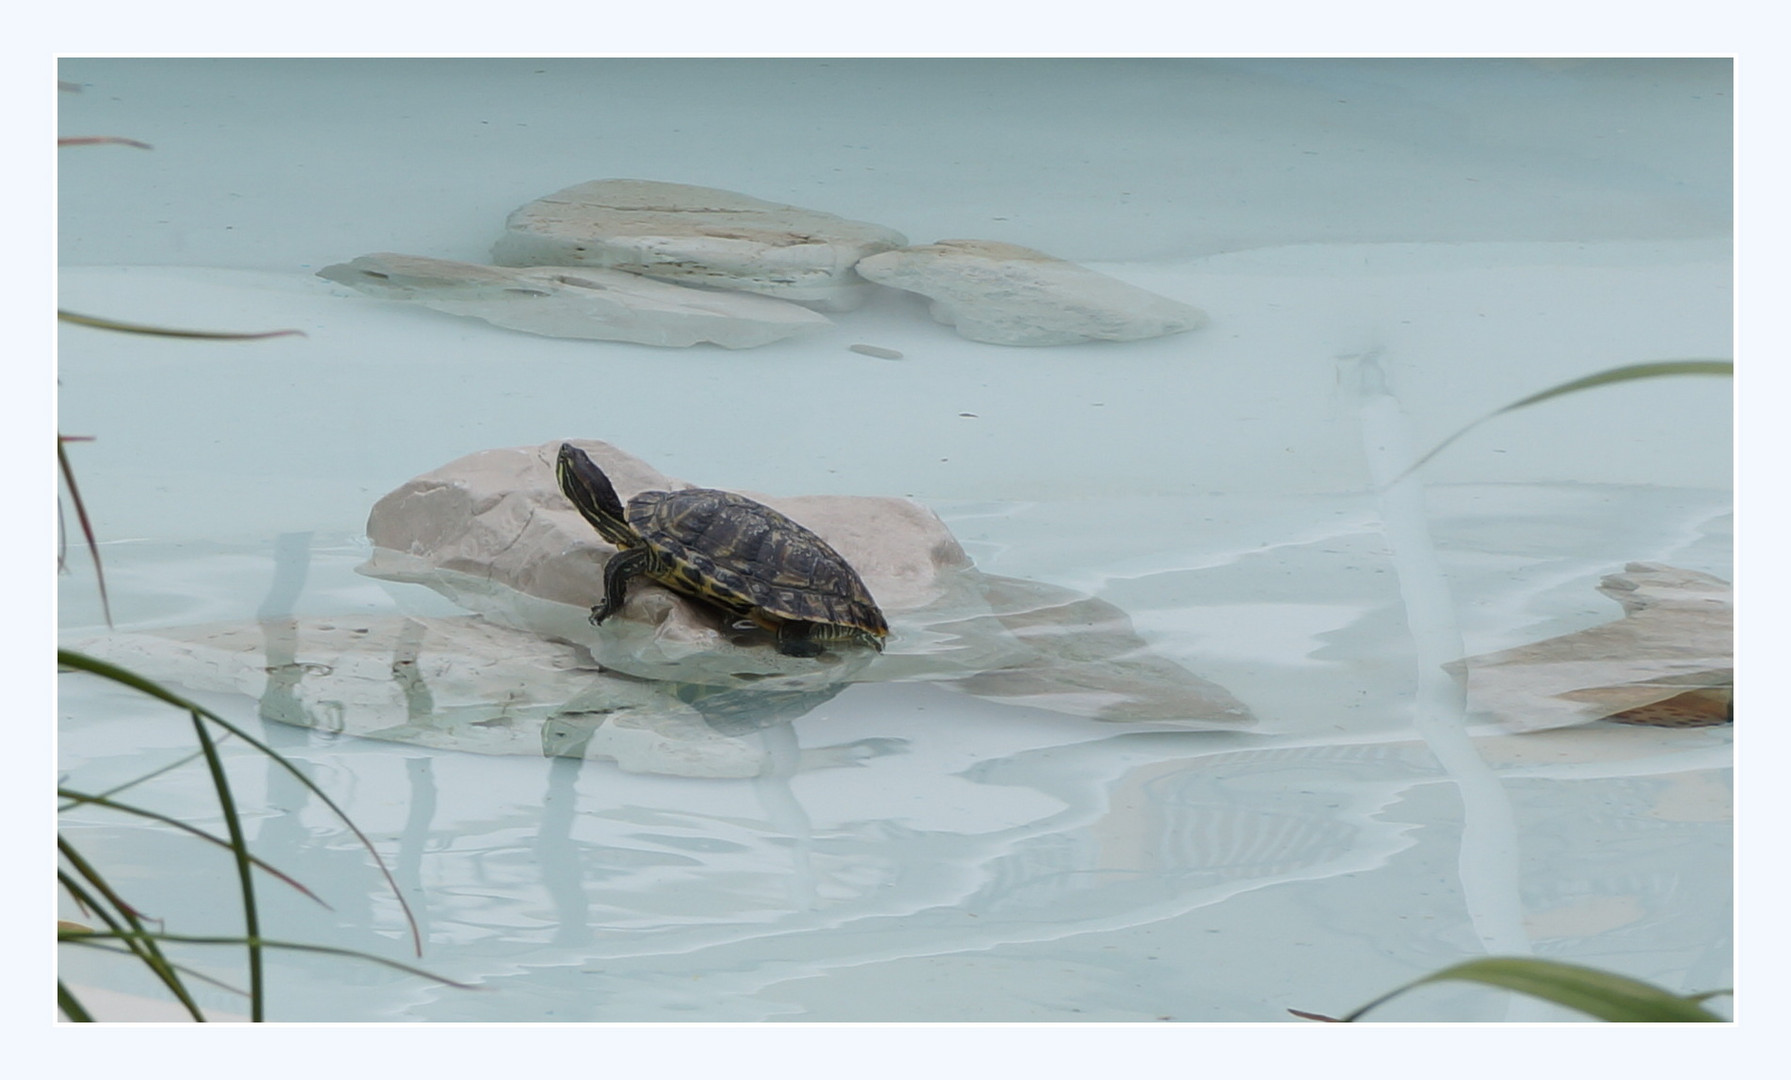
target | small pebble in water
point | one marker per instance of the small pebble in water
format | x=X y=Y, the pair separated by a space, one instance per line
x=877 y=351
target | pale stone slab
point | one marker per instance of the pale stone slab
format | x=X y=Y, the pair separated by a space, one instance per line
x=1668 y=662
x=1004 y=294
x=578 y=302
x=492 y=532
x=698 y=236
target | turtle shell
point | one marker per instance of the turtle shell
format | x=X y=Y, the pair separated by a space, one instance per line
x=746 y=557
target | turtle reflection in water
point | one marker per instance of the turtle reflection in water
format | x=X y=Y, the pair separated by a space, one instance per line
x=737 y=554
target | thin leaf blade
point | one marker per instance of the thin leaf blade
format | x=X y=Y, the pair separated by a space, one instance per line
x=77 y=798
x=74 y=494
x=1601 y=994
x=1629 y=373
x=1655 y=369
x=77 y=661
x=146 y=950
x=99 y=939
x=70 y=1005
x=239 y=846
x=102 y=140
x=118 y=326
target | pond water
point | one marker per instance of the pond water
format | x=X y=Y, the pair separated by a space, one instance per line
x=1388 y=250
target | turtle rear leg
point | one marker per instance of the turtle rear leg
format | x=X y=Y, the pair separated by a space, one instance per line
x=621 y=566
x=793 y=640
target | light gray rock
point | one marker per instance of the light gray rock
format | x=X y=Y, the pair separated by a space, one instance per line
x=698 y=236
x=578 y=302
x=491 y=532
x=1010 y=295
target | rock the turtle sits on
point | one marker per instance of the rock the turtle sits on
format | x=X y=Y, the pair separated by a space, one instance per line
x=737 y=554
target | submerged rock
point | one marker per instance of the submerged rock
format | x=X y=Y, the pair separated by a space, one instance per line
x=1082 y=656
x=698 y=236
x=462 y=683
x=1669 y=662
x=1010 y=295
x=578 y=302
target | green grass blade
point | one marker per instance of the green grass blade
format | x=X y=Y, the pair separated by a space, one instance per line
x=76 y=661
x=74 y=494
x=102 y=140
x=245 y=871
x=147 y=951
x=82 y=799
x=101 y=943
x=70 y=1005
x=1653 y=370
x=1321 y=1017
x=148 y=776
x=61 y=518
x=1596 y=993
x=164 y=331
x=98 y=937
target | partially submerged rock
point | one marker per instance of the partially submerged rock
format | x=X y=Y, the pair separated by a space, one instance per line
x=1080 y=655
x=1010 y=295
x=578 y=302
x=666 y=685
x=492 y=532
x=698 y=236
x=1668 y=662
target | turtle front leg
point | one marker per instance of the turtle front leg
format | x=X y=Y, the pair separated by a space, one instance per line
x=621 y=566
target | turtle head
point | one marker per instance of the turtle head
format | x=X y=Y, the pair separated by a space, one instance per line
x=595 y=497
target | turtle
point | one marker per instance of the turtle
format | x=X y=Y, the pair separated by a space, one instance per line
x=728 y=550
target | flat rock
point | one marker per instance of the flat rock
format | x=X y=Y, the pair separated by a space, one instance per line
x=1004 y=294
x=578 y=302
x=492 y=532
x=698 y=236
x=1669 y=662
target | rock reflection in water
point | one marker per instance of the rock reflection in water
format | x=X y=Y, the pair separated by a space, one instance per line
x=467 y=683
